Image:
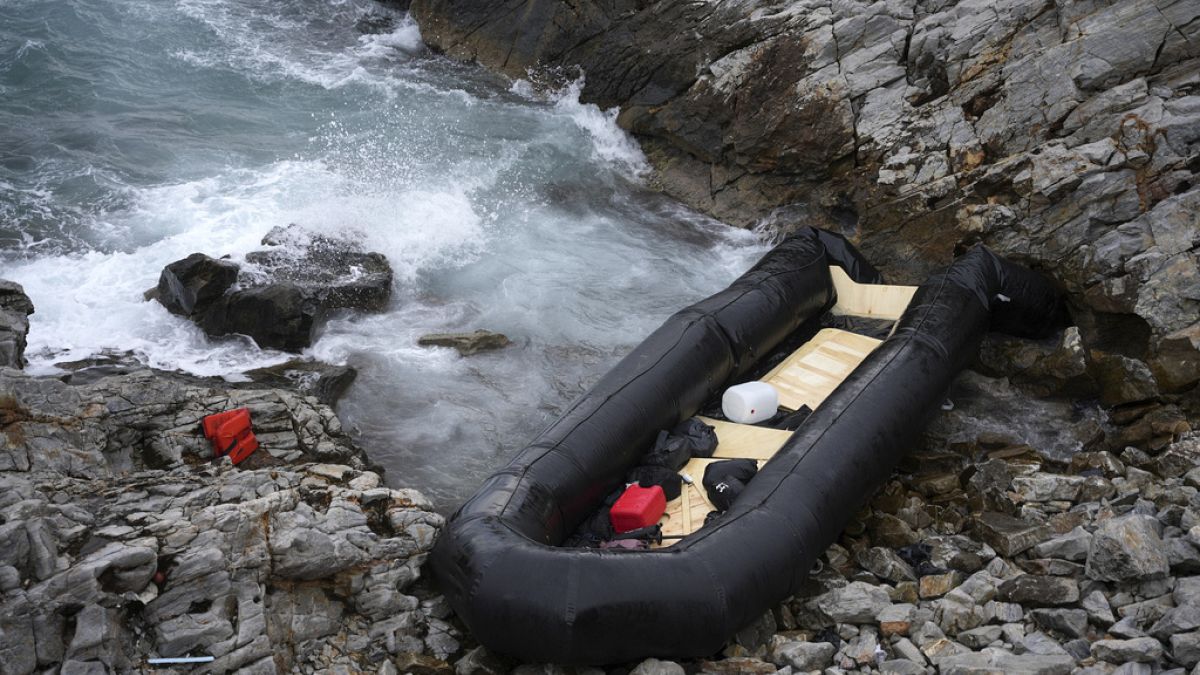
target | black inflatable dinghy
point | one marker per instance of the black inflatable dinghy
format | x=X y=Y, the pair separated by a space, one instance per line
x=500 y=560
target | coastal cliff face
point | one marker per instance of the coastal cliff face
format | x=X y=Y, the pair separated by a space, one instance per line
x=1065 y=135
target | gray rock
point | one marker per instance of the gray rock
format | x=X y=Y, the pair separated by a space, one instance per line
x=1070 y=622
x=1045 y=487
x=1179 y=619
x=857 y=602
x=282 y=294
x=15 y=307
x=978 y=638
x=886 y=564
x=901 y=667
x=1009 y=535
x=1137 y=650
x=1040 y=591
x=1040 y=643
x=1128 y=547
x=998 y=660
x=1073 y=545
x=805 y=656
x=192 y=285
x=1098 y=610
x=1127 y=627
x=1185 y=649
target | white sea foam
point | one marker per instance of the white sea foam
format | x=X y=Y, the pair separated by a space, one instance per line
x=92 y=303
x=610 y=143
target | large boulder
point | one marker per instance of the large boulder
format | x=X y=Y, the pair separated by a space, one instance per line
x=281 y=295
x=191 y=286
x=1127 y=548
x=15 y=308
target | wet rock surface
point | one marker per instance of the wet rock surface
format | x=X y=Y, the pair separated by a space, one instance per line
x=280 y=296
x=466 y=343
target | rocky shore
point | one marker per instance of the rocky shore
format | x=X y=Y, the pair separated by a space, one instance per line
x=1063 y=134
x=122 y=540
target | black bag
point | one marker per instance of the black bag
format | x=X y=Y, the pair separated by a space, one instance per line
x=668 y=480
x=724 y=481
x=701 y=438
x=690 y=438
x=788 y=421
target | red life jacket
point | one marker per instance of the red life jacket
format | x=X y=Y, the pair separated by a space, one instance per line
x=231 y=434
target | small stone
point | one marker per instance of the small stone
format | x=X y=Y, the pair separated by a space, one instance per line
x=1045 y=487
x=1098 y=610
x=1072 y=546
x=1009 y=535
x=937 y=585
x=901 y=667
x=1040 y=591
x=466 y=343
x=896 y=619
x=1185 y=649
x=857 y=602
x=1177 y=620
x=1128 y=627
x=1003 y=612
x=656 y=667
x=1095 y=489
x=1038 y=642
x=905 y=649
x=993 y=660
x=978 y=638
x=1069 y=622
x=886 y=564
x=480 y=661
x=860 y=651
x=1137 y=650
x=905 y=591
x=805 y=656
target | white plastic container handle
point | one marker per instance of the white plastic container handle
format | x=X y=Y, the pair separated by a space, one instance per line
x=750 y=402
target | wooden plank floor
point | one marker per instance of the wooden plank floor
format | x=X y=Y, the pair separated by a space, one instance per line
x=746 y=441
x=811 y=373
x=807 y=377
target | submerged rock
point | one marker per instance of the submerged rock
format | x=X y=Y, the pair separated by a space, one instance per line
x=15 y=307
x=466 y=343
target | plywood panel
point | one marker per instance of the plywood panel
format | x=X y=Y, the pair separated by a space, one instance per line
x=811 y=373
x=738 y=441
x=874 y=301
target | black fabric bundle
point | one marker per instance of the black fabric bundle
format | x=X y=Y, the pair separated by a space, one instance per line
x=724 y=481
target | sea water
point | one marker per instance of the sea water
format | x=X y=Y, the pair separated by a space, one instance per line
x=136 y=132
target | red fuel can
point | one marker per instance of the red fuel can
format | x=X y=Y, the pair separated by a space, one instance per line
x=638 y=507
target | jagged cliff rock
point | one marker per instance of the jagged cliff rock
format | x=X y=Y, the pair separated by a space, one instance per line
x=120 y=539
x=1063 y=134
x=15 y=308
